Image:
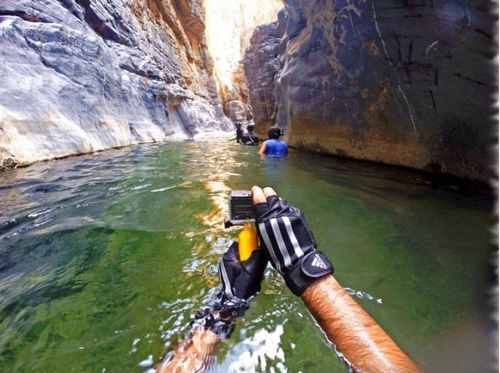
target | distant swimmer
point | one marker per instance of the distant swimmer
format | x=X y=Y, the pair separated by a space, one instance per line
x=239 y=133
x=249 y=138
x=274 y=146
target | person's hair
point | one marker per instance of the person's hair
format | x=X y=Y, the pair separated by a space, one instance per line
x=274 y=133
x=250 y=127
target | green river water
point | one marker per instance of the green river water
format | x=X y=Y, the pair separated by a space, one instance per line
x=104 y=259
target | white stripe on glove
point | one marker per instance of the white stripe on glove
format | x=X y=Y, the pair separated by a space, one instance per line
x=290 y=249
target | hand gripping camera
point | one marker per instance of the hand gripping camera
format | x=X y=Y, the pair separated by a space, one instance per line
x=241 y=212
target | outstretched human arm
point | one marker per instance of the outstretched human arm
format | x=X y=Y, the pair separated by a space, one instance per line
x=308 y=273
x=193 y=354
x=240 y=281
x=353 y=331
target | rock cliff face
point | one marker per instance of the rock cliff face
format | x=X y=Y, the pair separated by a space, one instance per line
x=85 y=75
x=227 y=42
x=401 y=82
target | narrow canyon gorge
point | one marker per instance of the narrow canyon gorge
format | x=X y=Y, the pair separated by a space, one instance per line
x=158 y=160
x=407 y=83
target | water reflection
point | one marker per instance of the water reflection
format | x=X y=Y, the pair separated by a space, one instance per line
x=104 y=259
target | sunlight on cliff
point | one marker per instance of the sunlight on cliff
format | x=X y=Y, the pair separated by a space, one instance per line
x=230 y=25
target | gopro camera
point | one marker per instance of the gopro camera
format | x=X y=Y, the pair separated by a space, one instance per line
x=240 y=208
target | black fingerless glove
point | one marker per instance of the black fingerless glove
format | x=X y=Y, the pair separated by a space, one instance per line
x=284 y=232
x=242 y=279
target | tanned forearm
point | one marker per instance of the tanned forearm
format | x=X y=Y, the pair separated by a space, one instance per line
x=353 y=331
x=191 y=355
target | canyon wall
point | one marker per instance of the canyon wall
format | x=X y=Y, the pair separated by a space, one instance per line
x=407 y=83
x=85 y=75
x=231 y=24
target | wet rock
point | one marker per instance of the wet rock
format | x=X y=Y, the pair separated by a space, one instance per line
x=407 y=84
x=86 y=75
x=236 y=111
x=198 y=117
x=262 y=66
x=7 y=160
x=9 y=163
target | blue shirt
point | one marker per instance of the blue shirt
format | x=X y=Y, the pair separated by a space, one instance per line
x=276 y=148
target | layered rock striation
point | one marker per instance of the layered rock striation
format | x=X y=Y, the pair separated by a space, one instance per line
x=403 y=83
x=85 y=75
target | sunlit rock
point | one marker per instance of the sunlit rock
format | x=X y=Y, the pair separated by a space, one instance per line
x=86 y=75
x=230 y=25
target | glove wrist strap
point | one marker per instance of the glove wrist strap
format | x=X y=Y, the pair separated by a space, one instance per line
x=220 y=316
x=307 y=270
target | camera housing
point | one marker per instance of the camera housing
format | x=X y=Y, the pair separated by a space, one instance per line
x=241 y=208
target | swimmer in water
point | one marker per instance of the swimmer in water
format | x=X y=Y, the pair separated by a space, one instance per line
x=239 y=133
x=249 y=138
x=274 y=147
x=290 y=246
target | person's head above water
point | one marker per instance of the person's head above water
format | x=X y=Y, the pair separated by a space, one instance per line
x=274 y=133
x=273 y=146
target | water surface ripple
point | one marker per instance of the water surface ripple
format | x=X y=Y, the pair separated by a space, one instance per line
x=105 y=258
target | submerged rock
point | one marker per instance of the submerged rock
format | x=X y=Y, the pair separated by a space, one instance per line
x=408 y=84
x=85 y=75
